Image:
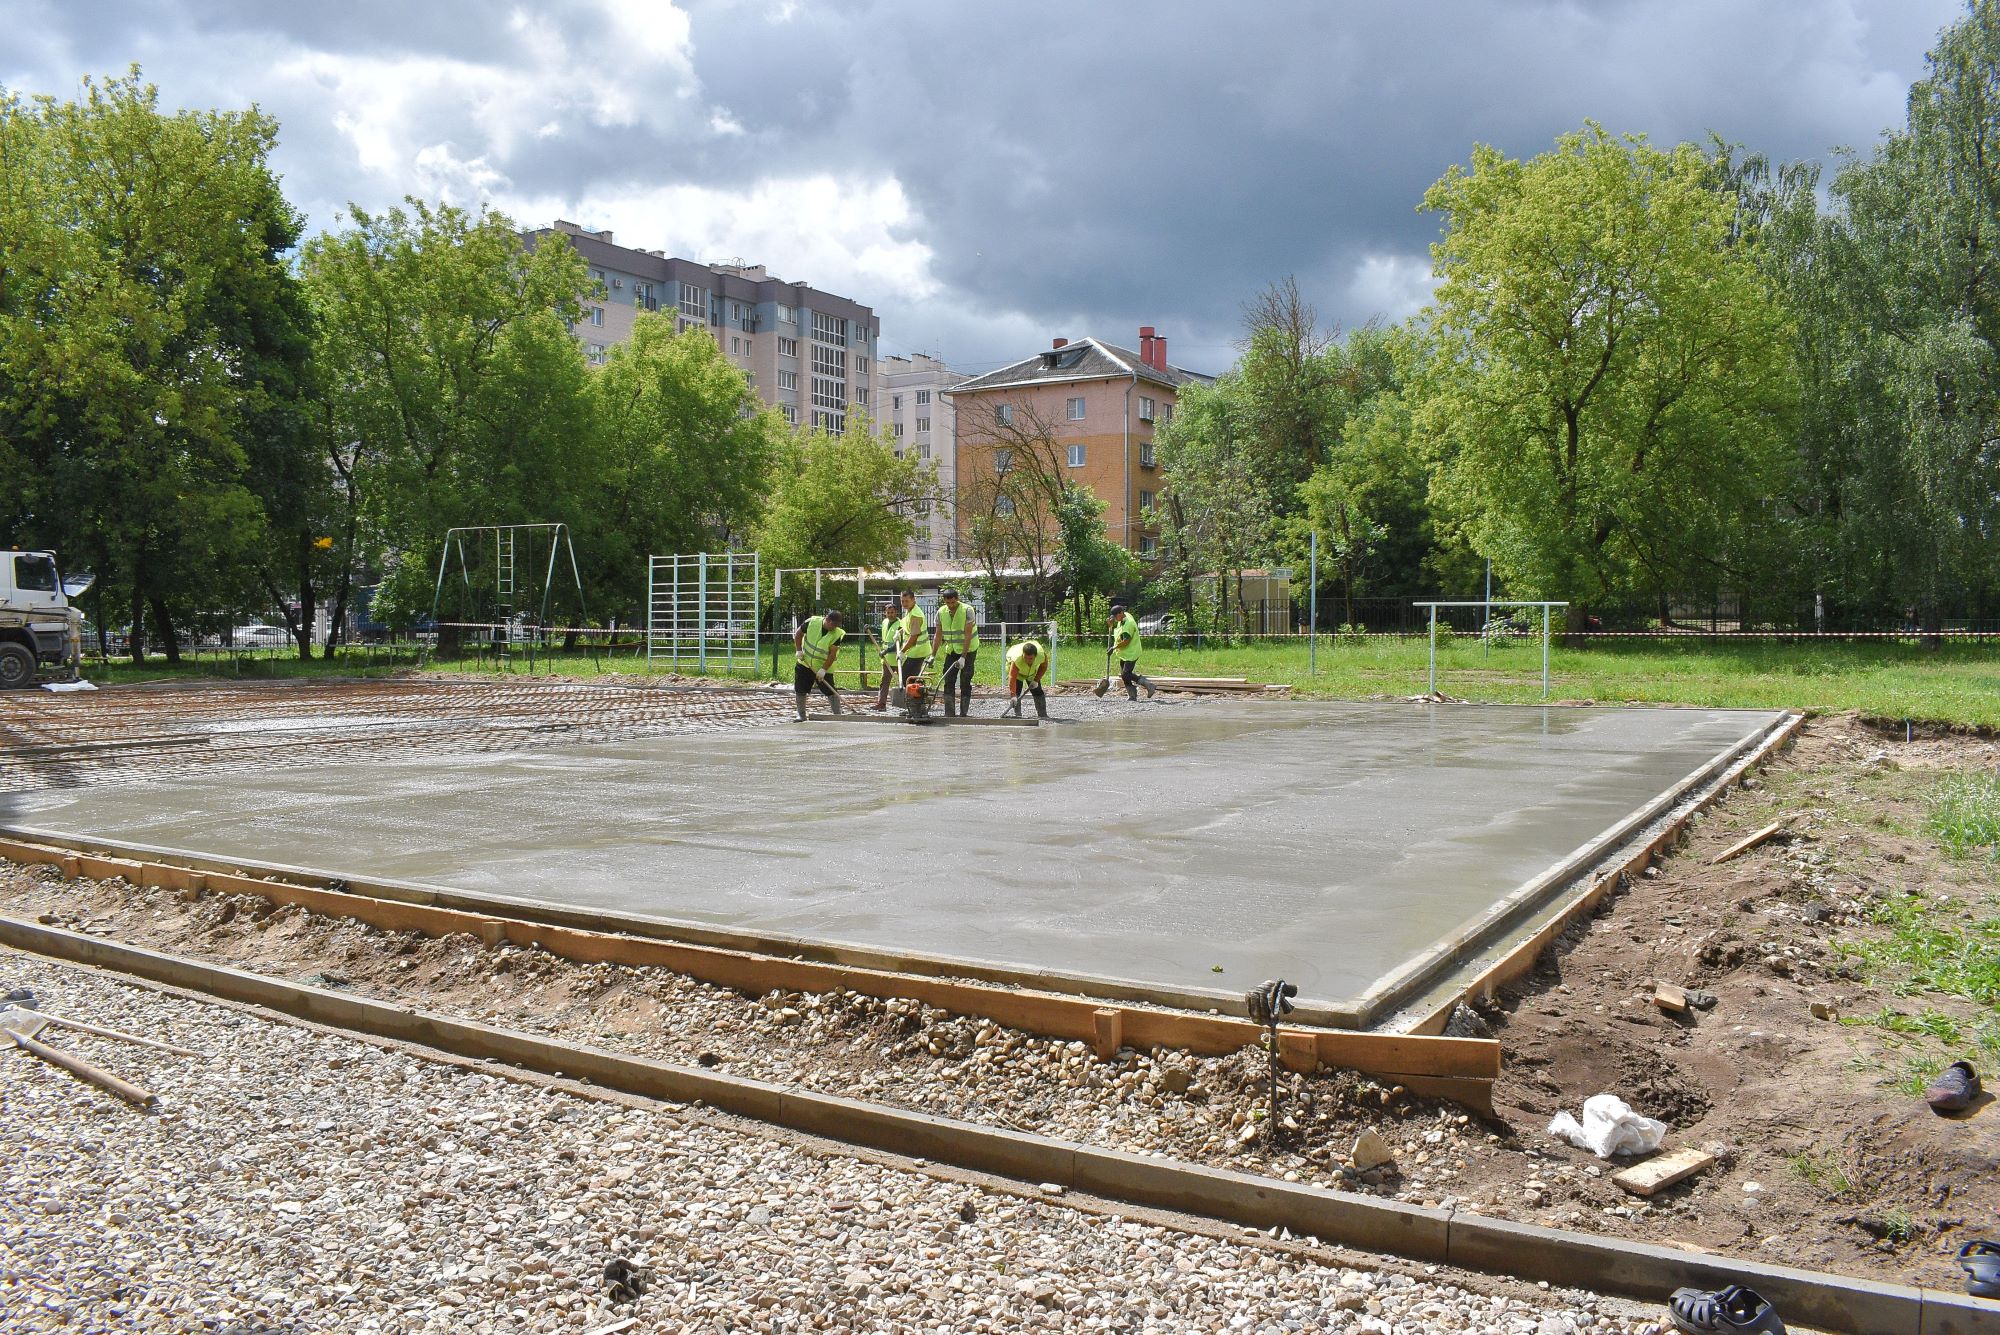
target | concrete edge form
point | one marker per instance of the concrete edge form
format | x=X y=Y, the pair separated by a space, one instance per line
x=1575 y=874
x=1452 y=1237
x=1429 y=1012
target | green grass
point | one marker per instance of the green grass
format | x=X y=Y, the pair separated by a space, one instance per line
x=1965 y=813
x=1957 y=685
x=1830 y=1172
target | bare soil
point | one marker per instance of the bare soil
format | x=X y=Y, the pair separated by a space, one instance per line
x=1852 y=1171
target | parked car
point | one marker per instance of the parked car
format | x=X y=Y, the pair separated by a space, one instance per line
x=260 y=637
x=1163 y=624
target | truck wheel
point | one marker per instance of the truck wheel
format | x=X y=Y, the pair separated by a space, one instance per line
x=17 y=667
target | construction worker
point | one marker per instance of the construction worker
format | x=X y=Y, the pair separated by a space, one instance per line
x=1125 y=648
x=886 y=646
x=957 y=638
x=815 y=646
x=1027 y=669
x=913 y=641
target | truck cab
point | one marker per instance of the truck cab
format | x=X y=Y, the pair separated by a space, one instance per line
x=40 y=633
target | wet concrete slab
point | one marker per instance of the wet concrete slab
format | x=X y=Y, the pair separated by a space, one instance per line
x=1188 y=849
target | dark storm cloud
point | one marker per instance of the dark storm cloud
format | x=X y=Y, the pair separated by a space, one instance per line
x=1072 y=169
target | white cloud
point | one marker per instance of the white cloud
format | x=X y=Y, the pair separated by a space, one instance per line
x=1391 y=286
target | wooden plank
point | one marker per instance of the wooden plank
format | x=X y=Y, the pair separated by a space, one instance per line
x=1108 y=1031
x=1671 y=999
x=1748 y=842
x=1663 y=1170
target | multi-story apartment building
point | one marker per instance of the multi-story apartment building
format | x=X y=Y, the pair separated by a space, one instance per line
x=808 y=353
x=1083 y=411
x=918 y=415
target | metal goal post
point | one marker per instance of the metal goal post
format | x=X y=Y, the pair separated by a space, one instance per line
x=1489 y=604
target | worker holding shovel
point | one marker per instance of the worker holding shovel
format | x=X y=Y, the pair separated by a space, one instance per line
x=1125 y=648
x=913 y=642
x=815 y=646
x=1027 y=669
x=886 y=645
x=957 y=637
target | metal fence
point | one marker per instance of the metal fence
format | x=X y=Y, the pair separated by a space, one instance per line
x=702 y=611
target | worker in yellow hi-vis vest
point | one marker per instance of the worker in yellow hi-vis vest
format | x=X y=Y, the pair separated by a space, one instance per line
x=885 y=646
x=1027 y=669
x=815 y=646
x=1125 y=648
x=957 y=638
x=913 y=642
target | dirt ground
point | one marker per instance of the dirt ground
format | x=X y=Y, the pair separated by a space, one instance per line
x=1828 y=1158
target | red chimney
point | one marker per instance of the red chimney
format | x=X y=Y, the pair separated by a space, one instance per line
x=1060 y=343
x=1160 y=353
x=1146 y=344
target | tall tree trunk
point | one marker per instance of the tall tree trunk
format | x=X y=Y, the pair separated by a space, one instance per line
x=169 y=640
x=135 y=642
x=338 y=618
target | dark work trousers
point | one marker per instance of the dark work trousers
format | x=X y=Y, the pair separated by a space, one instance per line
x=1128 y=672
x=961 y=683
x=1041 y=700
x=803 y=683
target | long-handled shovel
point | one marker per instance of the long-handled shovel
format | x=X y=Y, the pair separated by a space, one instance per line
x=22 y=1026
x=1104 y=682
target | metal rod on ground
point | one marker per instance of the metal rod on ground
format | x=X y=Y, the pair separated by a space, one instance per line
x=1312 y=630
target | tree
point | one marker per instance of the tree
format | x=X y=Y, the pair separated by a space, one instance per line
x=685 y=453
x=842 y=500
x=146 y=326
x=1292 y=379
x=1218 y=518
x=1014 y=513
x=1611 y=378
x=454 y=393
x=1093 y=566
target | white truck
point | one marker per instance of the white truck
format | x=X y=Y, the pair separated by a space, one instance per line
x=41 y=635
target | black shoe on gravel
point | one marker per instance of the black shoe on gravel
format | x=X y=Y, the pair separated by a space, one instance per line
x=1734 y=1308
x=1954 y=1089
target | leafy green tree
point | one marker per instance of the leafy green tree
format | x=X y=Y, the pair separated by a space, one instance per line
x=1217 y=517
x=143 y=324
x=842 y=500
x=454 y=393
x=685 y=453
x=1611 y=377
x=1093 y=566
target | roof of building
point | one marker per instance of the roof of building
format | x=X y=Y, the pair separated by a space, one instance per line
x=1082 y=359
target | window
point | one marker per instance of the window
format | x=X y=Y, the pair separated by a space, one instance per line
x=860 y=365
x=1076 y=410
x=791 y=414
x=1076 y=453
x=829 y=329
x=788 y=380
x=736 y=311
x=896 y=430
x=1003 y=461
x=895 y=403
x=694 y=301
x=1149 y=546
x=1146 y=454
x=34 y=573
x=788 y=347
x=923 y=397
x=736 y=345
x=595 y=353
x=1004 y=506
x=860 y=395
x=1145 y=409
x=597 y=275
x=923 y=449
x=597 y=315
x=1145 y=502
x=923 y=425
x=1167 y=413
x=642 y=295
x=923 y=507
x=788 y=315
x=1004 y=414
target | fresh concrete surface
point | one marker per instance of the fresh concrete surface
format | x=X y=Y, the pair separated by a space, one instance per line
x=1323 y=843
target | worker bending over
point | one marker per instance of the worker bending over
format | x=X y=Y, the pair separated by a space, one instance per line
x=815 y=646
x=913 y=641
x=1027 y=669
x=892 y=623
x=957 y=638
x=1125 y=648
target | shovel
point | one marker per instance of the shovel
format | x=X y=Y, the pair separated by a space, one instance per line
x=1104 y=682
x=22 y=1026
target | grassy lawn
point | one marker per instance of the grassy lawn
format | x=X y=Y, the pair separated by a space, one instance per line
x=1958 y=684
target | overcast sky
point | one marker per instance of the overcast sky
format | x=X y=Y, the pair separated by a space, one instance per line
x=989 y=175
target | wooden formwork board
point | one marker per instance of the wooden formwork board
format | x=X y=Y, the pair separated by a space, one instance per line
x=1460 y=1069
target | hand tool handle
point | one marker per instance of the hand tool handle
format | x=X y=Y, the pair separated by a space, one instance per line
x=102 y=1032
x=84 y=1070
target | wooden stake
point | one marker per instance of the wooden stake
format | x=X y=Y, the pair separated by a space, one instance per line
x=1744 y=845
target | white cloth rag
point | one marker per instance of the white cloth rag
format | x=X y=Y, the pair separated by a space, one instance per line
x=1609 y=1127
x=68 y=686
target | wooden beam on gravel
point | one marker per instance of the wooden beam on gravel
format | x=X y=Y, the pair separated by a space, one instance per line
x=1460 y=1069
x=1748 y=842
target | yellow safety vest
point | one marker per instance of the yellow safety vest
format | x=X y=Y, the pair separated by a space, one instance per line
x=954 y=628
x=1028 y=674
x=816 y=649
x=1128 y=627
x=889 y=625
x=916 y=634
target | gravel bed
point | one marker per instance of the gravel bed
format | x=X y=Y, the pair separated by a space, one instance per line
x=294 y=1180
